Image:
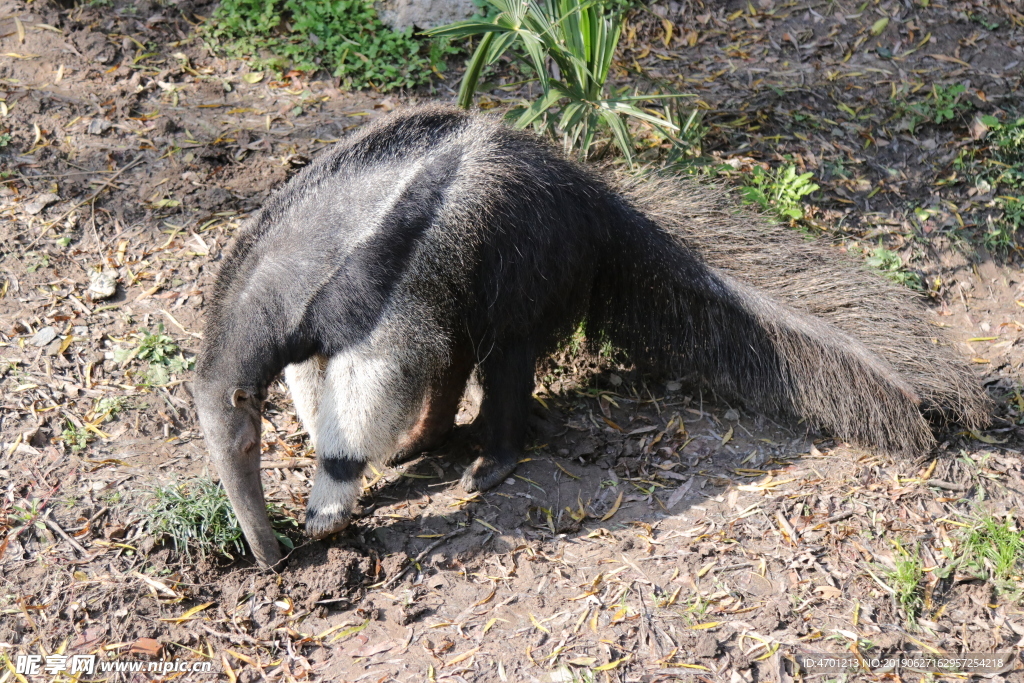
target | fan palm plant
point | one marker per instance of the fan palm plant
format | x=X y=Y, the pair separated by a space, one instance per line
x=570 y=45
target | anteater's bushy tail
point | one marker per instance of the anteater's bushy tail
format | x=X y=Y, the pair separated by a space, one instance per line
x=779 y=321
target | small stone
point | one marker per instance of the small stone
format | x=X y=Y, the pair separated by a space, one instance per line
x=978 y=128
x=423 y=14
x=43 y=337
x=102 y=285
x=99 y=126
x=54 y=348
x=614 y=379
x=732 y=415
x=673 y=386
x=41 y=202
x=80 y=330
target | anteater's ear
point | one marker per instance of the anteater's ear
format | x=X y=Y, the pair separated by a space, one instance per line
x=239 y=396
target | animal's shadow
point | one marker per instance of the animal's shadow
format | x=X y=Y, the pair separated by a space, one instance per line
x=641 y=461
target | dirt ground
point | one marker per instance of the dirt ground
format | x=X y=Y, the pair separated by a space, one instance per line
x=655 y=532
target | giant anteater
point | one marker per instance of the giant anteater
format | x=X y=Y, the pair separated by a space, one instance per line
x=435 y=241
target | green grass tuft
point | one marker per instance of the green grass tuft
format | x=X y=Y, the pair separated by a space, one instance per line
x=906 y=580
x=993 y=550
x=198 y=517
x=568 y=47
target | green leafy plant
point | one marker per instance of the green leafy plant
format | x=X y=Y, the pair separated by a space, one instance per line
x=344 y=37
x=75 y=438
x=30 y=514
x=984 y=22
x=1004 y=163
x=162 y=353
x=943 y=104
x=36 y=261
x=156 y=347
x=890 y=265
x=995 y=166
x=5 y=139
x=1002 y=232
x=108 y=407
x=947 y=102
x=568 y=45
x=779 y=192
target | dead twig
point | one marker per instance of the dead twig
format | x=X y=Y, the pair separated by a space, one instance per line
x=236 y=638
x=88 y=523
x=948 y=486
x=63 y=534
x=838 y=517
x=291 y=464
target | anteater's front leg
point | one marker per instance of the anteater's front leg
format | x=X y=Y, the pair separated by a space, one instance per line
x=368 y=400
x=507 y=378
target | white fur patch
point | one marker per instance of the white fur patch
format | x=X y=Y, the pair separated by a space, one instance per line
x=369 y=399
x=335 y=508
x=305 y=381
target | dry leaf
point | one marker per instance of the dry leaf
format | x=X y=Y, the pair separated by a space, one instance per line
x=463 y=657
x=828 y=592
x=667 y=25
x=371 y=650
x=189 y=614
x=615 y=508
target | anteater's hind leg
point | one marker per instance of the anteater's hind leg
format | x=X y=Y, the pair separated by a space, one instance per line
x=369 y=399
x=507 y=378
x=437 y=418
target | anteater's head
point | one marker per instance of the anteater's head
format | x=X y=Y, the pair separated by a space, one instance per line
x=231 y=417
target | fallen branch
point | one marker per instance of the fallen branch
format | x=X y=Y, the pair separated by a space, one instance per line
x=839 y=517
x=948 y=486
x=63 y=534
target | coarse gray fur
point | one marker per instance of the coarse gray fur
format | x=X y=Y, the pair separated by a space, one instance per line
x=813 y=279
x=435 y=241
